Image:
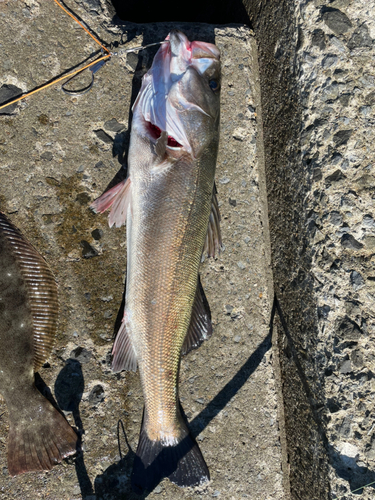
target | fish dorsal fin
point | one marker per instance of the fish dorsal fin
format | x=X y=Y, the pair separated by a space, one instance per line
x=118 y=199
x=213 y=243
x=41 y=290
x=200 y=327
x=124 y=357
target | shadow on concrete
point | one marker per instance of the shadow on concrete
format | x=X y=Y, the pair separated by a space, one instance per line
x=45 y=391
x=348 y=469
x=293 y=354
x=116 y=479
x=69 y=388
x=218 y=403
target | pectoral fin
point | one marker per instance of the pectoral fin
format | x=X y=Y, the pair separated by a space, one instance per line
x=213 y=243
x=118 y=199
x=200 y=328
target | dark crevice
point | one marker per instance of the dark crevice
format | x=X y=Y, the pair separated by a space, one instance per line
x=210 y=11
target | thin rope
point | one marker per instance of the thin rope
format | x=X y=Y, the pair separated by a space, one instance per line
x=364 y=486
x=82 y=26
x=107 y=56
x=54 y=81
x=69 y=75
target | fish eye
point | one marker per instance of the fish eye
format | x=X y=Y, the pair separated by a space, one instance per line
x=213 y=84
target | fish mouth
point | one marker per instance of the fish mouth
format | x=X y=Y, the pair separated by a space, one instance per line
x=155 y=133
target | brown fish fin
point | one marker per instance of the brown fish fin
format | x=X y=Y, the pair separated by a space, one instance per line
x=200 y=327
x=118 y=199
x=182 y=462
x=213 y=243
x=41 y=289
x=38 y=438
x=124 y=357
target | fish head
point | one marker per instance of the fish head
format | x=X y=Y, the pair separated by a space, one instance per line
x=180 y=95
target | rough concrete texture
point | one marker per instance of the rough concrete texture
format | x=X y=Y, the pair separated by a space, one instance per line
x=336 y=71
x=317 y=85
x=58 y=153
x=277 y=35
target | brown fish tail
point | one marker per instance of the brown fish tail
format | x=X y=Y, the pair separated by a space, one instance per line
x=38 y=440
x=182 y=463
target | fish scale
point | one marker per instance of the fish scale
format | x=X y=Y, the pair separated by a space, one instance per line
x=155 y=328
x=169 y=204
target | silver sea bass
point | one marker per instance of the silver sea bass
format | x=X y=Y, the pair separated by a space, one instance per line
x=169 y=204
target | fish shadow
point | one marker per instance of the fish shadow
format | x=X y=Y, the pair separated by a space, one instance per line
x=46 y=391
x=120 y=147
x=69 y=388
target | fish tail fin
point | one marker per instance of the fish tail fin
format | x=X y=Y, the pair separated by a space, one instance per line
x=39 y=438
x=182 y=462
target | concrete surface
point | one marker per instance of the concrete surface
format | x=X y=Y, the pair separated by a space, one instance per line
x=317 y=86
x=336 y=71
x=58 y=153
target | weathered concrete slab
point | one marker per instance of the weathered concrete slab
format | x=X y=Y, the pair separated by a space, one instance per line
x=317 y=81
x=337 y=148
x=58 y=153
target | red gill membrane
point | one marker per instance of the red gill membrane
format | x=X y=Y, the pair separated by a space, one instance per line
x=156 y=133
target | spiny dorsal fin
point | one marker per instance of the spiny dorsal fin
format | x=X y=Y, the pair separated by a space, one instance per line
x=200 y=328
x=41 y=288
x=124 y=357
x=119 y=198
x=213 y=243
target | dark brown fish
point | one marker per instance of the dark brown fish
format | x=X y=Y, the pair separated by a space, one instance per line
x=39 y=436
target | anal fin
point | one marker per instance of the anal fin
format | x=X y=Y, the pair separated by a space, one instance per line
x=200 y=327
x=118 y=199
x=124 y=357
x=213 y=243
